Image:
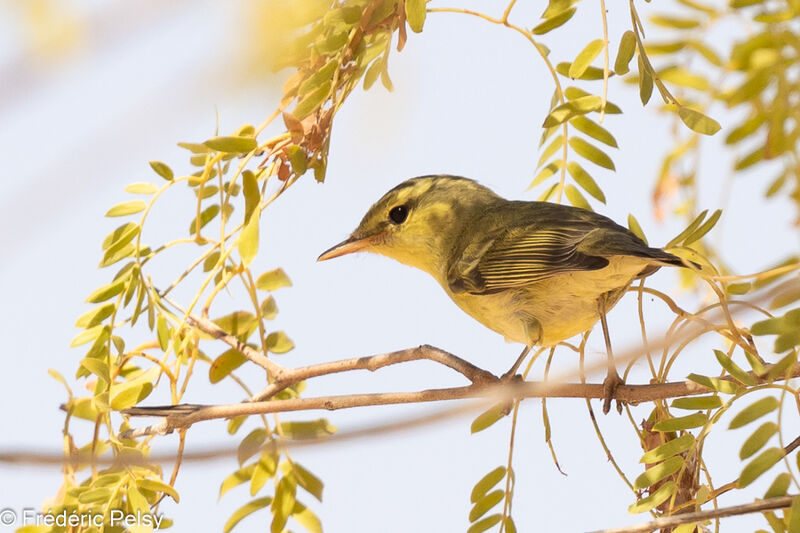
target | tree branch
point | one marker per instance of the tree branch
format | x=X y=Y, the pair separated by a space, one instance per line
x=288 y=377
x=769 y=504
x=183 y=416
x=210 y=328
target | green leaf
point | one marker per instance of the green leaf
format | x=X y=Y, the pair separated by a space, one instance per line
x=586 y=181
x=733 y=369
x=721 y=385
x=273 y=280
x=415 y=14
x=303 y=516
x=312 y=429
x=794 y=516
x=485 y=504
x=678 y=23
x=645 y=82
x=661 y=495
x=278 y=342
x=551 y=149
x=591 y=152
x=297 y=157
x=668 y=449
x=95 y=495
x=248 y=239
x=195 y=148
x=135 y=498
x=88 y=335
x=487 y=418
x=656 y=473
x=163 y=333
x=552 y=23
x=736 y=289
x=246 y=510
x=232 y=144
x=223 y=365
x=269 y=309
x=509 y=525
x=684 y=78
x=211 y=261
x=576 y=198
x=129 y=394
x=754 y=411
x=780 y=368
x=697 y=402
x=141 y=188
x=206 y=216
x=681 y=422
x=312 y=101
x=697 y=121
x=158 y=486
x=591 y=73
x=252 y=196
x=284 y=502
x=251 y=444
x=634 y=226
x=689 y=229
x=585 y=58
x=745 y=129
x=162 y=169
x=96 y=315
x=759 y=465
x=594 y=130
x=488 y=522
x=240 y=324
x=627 y=47
x=265 y=469
x=758 y=439
x=107 y=291
x=486 y=483
x=126 y=208
x=779 y=487
x=120 y=237
x=546 y=173
x=242 y=475
x=324 y=74
x=311 y=483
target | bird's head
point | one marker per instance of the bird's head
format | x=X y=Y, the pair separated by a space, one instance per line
x=418 y=222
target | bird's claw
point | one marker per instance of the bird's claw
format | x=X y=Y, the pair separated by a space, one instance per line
x=610 y=385
x=509 y=378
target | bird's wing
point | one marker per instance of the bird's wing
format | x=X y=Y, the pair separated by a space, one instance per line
x=512 y=257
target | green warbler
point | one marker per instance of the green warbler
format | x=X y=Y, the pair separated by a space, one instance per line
x=535 y=272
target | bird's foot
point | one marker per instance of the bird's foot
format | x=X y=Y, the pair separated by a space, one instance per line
x=510 y=378
x=610 y=385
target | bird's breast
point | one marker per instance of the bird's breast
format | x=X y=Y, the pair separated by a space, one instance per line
x=549 y=311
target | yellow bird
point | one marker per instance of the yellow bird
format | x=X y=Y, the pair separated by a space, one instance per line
x=535 y=272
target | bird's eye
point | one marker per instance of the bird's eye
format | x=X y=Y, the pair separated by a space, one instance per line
x=398 y=214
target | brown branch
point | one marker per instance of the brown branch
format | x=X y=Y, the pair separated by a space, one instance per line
x=210 y=328
x=290 y=376
x=183 y=416
x=769 y=504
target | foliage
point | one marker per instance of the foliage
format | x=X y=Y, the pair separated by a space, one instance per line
x=338 y=45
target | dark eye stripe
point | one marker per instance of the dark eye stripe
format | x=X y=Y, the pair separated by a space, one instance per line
x=398 y=214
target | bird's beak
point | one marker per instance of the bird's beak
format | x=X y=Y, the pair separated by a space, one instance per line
x=347 y=246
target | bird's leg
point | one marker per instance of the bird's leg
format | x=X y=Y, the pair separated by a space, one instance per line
x=612 y=380
x=513 y=370
x=511 y=376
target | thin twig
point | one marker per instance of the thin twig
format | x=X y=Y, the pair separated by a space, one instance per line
x=290 y=376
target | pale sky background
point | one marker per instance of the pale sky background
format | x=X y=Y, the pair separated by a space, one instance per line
x=469 y=97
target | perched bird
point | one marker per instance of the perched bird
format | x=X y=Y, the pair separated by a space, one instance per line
x=535 y=272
